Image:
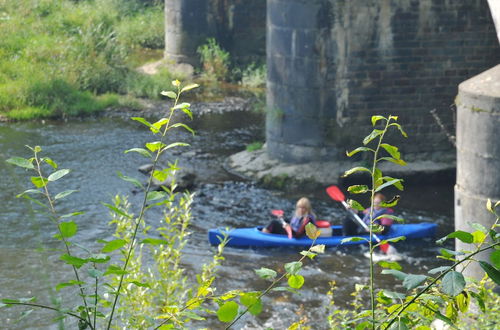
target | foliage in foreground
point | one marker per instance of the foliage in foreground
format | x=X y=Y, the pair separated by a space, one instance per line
x=443 y=293
x=135 y=280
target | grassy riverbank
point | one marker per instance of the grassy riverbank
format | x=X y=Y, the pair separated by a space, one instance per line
x=64 y=58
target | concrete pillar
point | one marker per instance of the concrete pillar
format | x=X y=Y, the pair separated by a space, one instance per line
x=186 y=27
x=297 y=100
x=478 y=154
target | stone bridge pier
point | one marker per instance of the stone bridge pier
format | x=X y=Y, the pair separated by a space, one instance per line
x=332 y=64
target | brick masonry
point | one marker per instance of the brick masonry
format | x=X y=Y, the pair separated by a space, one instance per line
x=332 y=64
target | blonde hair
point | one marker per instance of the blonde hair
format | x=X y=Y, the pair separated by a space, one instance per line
x=304 y=201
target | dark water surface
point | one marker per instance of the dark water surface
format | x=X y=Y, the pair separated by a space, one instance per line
x=93 y=150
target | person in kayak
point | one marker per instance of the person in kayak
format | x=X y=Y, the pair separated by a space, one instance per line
x=302 y=216
x=351 y=227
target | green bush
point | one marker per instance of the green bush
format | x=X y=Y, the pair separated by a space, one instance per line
x=147 y=86
x=146 y=30
x=85 y=44
x=214 y=60
x=254 y=76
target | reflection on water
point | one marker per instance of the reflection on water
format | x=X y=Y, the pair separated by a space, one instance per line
x=93 y=150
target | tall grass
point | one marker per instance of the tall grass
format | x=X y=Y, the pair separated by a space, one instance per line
x=59 y=55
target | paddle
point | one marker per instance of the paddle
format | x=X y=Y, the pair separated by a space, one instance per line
x=279 y=215
x=336 y=194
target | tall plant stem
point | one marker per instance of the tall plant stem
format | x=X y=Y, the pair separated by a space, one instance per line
x=370 y=242
x=143 y=210
x=66 y=243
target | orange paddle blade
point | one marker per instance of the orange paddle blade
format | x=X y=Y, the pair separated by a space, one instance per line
x=335 y=193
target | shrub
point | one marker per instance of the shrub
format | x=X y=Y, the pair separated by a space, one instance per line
x=214 y=60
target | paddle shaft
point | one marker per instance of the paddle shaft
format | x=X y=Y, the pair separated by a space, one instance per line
x=360 y=221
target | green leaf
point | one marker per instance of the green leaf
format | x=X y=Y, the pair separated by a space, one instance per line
x=478 y=226
x=182 y=105
x=140 y=284
x=69 y=283
x=188 y=112
x=412 y=281
x=320 y=248
x=169 y=94
x=403 y=133
x=142 y=121
x=154 y=241
x=358 y=189
x=30 y=191
x=396 y=273
x=359 y=149
x=479 y=300
x=113 y=245
x=154 y=195
x=68 y=229
x=117 y=210
x=462 y=235
x=355 y=170
x=390 y=264
x=71 y=214
x=293 y=267
x=157 y=125
x=74 y=261
x=115 y=270
x=489 y=206
x=353 y=239
x=50 y=162
x=95 y=273
x=399 y=325
x=391 y=150
x=186 y=127
x=266 y=273
x=154 y=146
x=64 y=194
x=189 y=87
x=312 y=231
x=39 y=182
x=252 y=301
x=395 y=161
x=463 y=301
x=495 y=258
x=391 y=203
x=134 y=181
x=375 y=133
x=21 y=162
x=396 y=183
x=228 y=311
x=453 y=283
x=390 y=216
x=478 y=236
x=375 y=119
x=393 y=295
x=58 y=174
x=296 y=281
x=308 y=254
x=492 y=272
x=99 y=258
x=438 y=270
x=355 y=205
x=177 y=144
x=141 y=151
x=161 y=175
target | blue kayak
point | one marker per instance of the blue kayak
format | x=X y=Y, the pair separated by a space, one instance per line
x=253 y=237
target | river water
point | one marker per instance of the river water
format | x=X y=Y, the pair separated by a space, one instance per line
x=93 y=150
